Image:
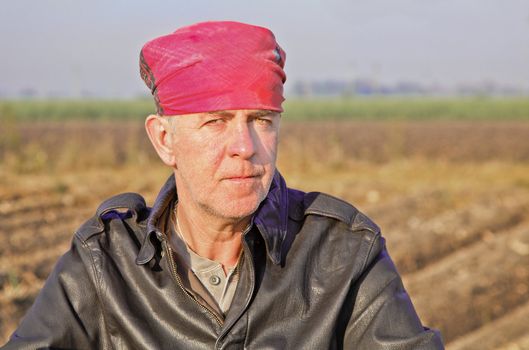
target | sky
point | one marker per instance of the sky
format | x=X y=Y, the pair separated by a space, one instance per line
x=73 y=48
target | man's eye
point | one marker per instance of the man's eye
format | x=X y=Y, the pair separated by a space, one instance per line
x=215 y=121
x=264 y=121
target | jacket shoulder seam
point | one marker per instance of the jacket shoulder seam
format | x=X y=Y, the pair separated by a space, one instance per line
x=89 y=228
x=97 y=281
x=320 y=204
x=109 y=210
x=326 y=205
x=370 y=241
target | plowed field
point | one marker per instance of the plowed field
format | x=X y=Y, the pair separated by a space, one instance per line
x=452 y=200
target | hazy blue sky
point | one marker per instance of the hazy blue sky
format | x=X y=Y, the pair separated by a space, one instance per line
x=66 y=47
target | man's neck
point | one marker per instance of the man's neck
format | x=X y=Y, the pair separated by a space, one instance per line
x=211 y=237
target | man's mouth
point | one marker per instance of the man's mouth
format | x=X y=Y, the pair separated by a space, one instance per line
x=242 y=177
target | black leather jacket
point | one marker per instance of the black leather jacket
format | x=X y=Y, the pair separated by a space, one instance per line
x=316 y=275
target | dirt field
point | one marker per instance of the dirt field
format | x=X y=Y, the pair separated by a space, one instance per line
x=451 y=198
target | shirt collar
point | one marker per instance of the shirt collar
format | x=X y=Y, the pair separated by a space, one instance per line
x=271 y=218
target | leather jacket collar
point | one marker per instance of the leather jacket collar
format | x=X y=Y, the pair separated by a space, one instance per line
x=271 y=218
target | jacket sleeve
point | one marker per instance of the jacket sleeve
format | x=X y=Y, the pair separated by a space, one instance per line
x=66 y=313
x=383 y=315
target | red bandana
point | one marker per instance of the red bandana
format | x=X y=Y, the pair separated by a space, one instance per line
x=214 y=66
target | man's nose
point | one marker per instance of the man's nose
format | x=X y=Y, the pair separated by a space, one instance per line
x=242 y=141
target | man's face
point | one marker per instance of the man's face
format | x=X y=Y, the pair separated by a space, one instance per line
x=225 y=160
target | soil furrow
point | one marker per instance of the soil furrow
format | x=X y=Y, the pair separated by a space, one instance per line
x=521 y=343
x=509 y=330
x=17 y=211
x=420 y=243
x=14 y=195
x=40 y=238
x=482 y=282
x=38 y=262
x=422 y=205
x=47 y=218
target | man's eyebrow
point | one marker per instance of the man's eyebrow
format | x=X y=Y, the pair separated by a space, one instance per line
x=255 y=114
x=262 y=113
x=221 y=113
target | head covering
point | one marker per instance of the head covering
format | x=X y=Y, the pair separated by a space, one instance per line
x=213 y=66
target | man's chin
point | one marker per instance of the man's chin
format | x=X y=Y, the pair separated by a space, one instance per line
x=241 y=208
x=241 y=188
x=240 y=213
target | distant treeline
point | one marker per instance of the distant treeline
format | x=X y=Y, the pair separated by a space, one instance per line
x=371 y=108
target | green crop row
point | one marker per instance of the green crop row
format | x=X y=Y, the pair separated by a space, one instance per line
x=410 y=109
x=372 y=108
x=58 y=110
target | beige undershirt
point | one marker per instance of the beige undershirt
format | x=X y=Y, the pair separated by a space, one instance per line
x=219 y=285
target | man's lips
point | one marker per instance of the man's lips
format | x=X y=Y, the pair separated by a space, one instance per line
x=243 y=177
x=239 y=177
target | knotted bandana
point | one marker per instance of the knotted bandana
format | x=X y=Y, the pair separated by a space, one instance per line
x=212 y=66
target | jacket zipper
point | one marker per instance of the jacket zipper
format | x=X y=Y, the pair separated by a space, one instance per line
x=252 y=281
x=170 y=257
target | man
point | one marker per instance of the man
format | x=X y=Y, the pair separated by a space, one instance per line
x=228 y=257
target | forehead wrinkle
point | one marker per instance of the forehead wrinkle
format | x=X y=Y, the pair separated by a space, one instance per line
x=179 y=122
x=255 y=113
x=261 y=113
x=222 y=113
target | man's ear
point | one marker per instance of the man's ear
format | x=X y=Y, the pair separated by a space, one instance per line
x=161 y=139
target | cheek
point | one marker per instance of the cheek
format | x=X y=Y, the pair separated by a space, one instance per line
x=269 y=146
x=199 y=157
x=212 y=156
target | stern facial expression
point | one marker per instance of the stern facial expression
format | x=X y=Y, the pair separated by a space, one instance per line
x=224 y=161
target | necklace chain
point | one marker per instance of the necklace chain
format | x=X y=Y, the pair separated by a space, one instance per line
x=178 y=228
